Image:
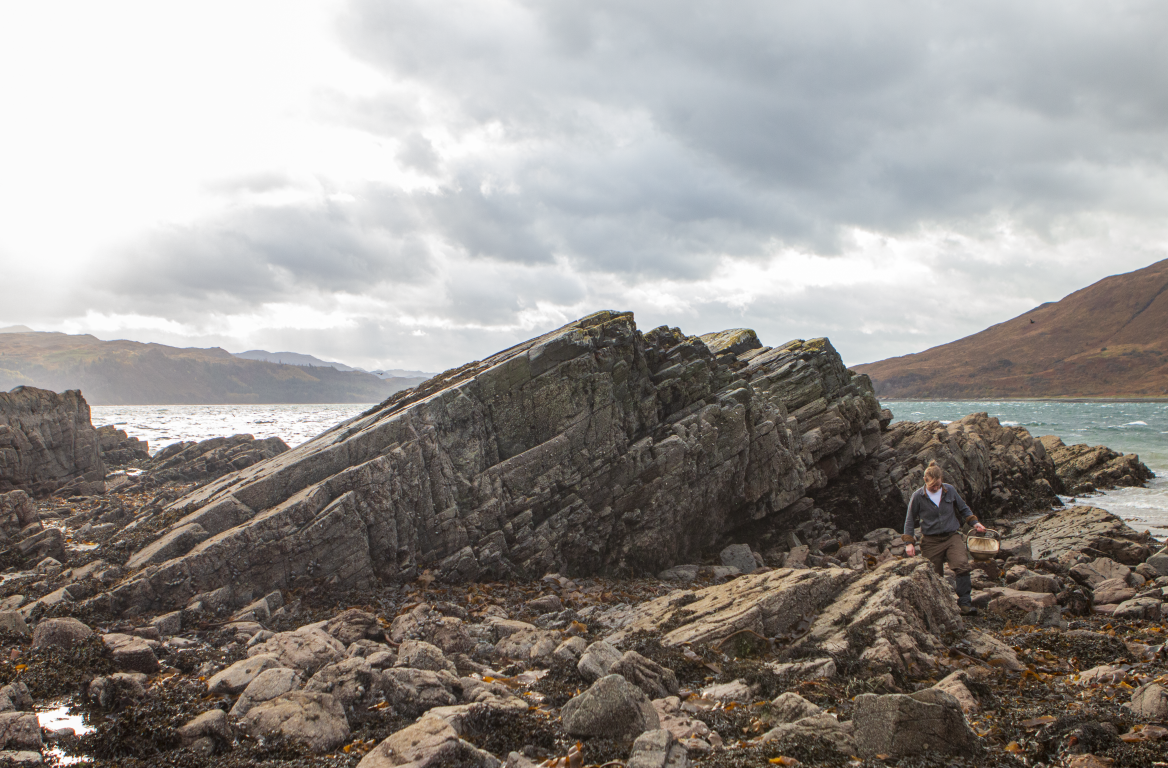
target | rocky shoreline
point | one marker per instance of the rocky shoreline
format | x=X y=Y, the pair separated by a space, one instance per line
x=600 y=547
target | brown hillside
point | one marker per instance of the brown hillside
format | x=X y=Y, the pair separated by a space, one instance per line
x=132 y=373
x=1108 y=340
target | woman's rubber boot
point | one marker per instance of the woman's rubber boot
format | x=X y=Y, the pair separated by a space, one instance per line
x=964 y=587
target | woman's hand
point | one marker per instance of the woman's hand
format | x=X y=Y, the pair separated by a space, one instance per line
x=910 y=550
x=979 y=527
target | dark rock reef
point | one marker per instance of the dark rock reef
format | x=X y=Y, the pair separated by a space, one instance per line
x=1085 y=469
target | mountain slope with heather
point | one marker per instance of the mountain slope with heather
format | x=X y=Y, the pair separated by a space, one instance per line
x=1109 y=339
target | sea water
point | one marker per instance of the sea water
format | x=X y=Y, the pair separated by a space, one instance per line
x=162 y=425
x=1127 y=427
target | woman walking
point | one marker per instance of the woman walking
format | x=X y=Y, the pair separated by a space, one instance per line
x=938 y=508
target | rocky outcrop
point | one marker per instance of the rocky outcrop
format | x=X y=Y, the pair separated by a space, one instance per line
x=209 y=459
x=47 y=444
x=17 y=512
x=998 y=470
x=592 y=449
x=1085 y=530
x=889 y=618
x=1084 y=469
x=118 y=449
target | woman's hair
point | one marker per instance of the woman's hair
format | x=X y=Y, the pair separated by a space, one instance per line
x=933 y=472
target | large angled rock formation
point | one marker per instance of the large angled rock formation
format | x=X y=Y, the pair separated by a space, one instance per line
x=48 y=444
x=591 y=449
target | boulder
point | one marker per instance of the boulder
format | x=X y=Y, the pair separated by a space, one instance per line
x=60 y=633
x=1150 y=702
x=571 y=650
x=353 y=682
x=15 y=697
x=928 y=722
x=306 y=649
x=418 y=654
x=1138 y=608
x=267 y=685
x=20 y=731
x=739 y=556
x=414 y=691
x=688 y=445
x=352 y=625
x=17 y=512
x=822 y=728
x=118 y=690
x=428 y=743
x=48 y=444
x=596 y=660
x=316 y=720
x=212 y=725
x=12 y=622
x=789 y=707
x=1112 y=591
x=1100 y=570
x=657 y=749
x=956 y=685
x=612 y=707
x=529 y=644
x=130 y=653
x=655 y=680
x=238 y=676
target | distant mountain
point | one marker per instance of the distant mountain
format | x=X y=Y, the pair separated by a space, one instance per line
x=1109 y=339
x=292 y=358
x=16 y=329
x=132 y=373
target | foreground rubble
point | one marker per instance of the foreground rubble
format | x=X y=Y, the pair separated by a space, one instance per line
x=857 y=658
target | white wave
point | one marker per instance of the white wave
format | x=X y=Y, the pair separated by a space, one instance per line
x=1136 y=424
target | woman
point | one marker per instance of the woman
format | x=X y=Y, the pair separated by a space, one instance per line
x=937 y=508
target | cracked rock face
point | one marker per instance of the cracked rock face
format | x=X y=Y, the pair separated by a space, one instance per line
x=594 y=449
x=48 y=444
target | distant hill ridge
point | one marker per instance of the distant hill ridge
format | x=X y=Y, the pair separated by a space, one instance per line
x=132 y=373
x=1109 y=339
x=296 y=358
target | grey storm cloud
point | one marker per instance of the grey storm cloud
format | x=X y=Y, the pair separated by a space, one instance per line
x=782 y=121
x=267 y=253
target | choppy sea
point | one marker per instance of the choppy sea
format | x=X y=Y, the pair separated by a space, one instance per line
x=1127 y=427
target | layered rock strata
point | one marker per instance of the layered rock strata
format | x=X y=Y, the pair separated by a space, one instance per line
x=591 y=449
x=48 y=444
x=209 y=459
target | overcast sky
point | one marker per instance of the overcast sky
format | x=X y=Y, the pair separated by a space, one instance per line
x=419 y=184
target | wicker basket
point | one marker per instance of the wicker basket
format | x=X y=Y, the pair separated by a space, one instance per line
x=983 y=546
